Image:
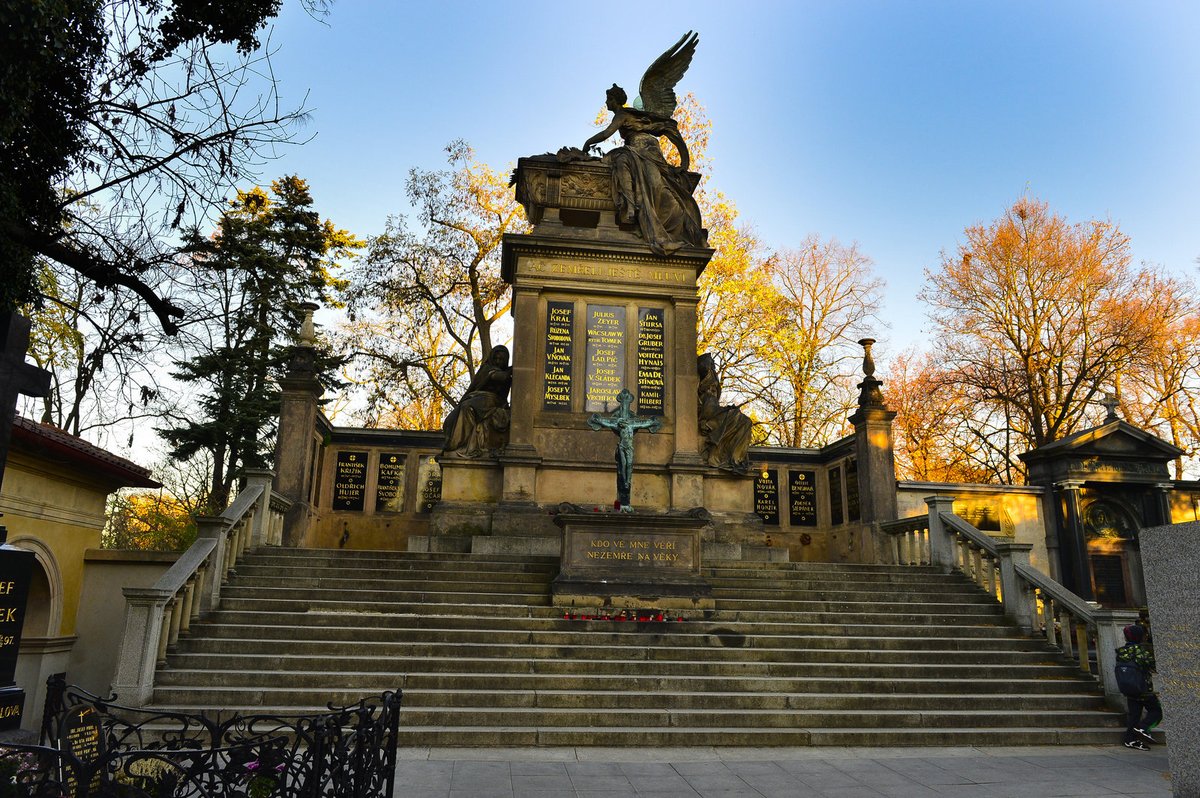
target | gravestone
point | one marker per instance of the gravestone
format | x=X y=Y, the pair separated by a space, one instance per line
x=1169 y=557
x=82 y=737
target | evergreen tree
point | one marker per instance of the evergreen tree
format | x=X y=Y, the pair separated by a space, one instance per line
x=270 y=254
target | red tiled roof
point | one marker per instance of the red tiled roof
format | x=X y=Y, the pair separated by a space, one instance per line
x=47 y=439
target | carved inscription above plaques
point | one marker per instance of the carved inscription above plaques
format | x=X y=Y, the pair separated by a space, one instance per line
x=605 y=356
x=766 y=497
x=560 y=321
x=651 y=348
x=350 y=481
x=802 y=498
x=389 y=487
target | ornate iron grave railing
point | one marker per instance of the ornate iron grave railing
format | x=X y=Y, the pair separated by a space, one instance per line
x=92 y=747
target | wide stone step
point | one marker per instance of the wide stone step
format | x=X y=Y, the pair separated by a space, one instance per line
x=628 y=667
x=508 y=604
x=747 y=718
x=743 y=683
x=371 y=655
x=283 y=694
x=398 y=595
x=876 y=596
x=785 y=581
x=505 y=618
x=330 y=640
x=606 y=699
x=875 y=607
x=517 y=736
x=423 y=580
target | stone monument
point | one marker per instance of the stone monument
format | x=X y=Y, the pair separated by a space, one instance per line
x=1169 y=557
x=604 y=299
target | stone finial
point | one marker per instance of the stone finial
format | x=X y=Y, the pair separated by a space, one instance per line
x=302 y=362
x=868 y=360
x=1110 y=403
x=308 y=333
x=869 y=394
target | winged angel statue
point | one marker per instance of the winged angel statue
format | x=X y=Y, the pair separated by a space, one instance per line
x=647 y=189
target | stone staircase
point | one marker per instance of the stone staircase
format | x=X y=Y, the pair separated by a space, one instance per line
x=794 y=654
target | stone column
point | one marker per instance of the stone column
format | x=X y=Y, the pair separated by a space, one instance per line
x=259 y=529
x=210 y=526
x=520 y=458
x=941 y=544
x=873 y=446
x=1163 y=504
x=297 y=441
x=1109 y=637
x=134 y=680
x=687 y=471
x=1016 y=599
x=525 y=361
x=1072 y=549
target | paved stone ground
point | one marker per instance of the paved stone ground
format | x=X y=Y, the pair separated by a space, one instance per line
x=1026 y=772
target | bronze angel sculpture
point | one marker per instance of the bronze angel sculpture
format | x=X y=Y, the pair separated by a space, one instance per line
x=647 y=189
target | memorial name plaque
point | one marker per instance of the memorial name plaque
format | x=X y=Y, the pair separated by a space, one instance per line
x=389 y=487
x=560 y=321
x=802 y=498
x=350 y=481
x=605 y=356
x=853 y=511
x=429 y=482
x=16 y=572
x=651 y=346
x=766 y=497
x=83 y=738
x=835 y=496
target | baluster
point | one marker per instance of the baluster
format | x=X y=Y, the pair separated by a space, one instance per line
x=905 y=543
x=1081 y=646
x=165 y=631
x=989 y=575
x=977 y=565
x=176 y=617
x=926 y=548
x=1051 y=631
x=189 y=600
x=230 y=552
x=1064 y=637
x=198 y=604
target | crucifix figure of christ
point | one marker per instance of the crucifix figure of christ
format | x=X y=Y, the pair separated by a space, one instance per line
x=624 y=424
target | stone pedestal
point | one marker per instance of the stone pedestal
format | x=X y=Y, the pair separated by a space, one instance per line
x=631 y=560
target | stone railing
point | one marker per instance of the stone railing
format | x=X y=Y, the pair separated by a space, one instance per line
x=1038 y=605
x=156 y=616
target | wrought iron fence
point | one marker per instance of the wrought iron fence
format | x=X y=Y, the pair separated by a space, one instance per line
x=347 y=752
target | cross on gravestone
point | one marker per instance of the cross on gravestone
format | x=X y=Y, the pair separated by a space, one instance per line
x=16 y=377
x=624 y=424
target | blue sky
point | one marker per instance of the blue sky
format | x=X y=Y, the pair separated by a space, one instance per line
x=892 y=124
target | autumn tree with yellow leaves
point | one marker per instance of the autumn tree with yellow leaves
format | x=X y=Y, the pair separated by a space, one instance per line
x=1036 y=319
x=425 y=302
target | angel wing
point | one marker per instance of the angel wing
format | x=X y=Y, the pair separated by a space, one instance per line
x=657 y=89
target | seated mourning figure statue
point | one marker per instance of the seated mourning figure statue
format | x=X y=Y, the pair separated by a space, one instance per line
x=478 y=425
x=724 y=431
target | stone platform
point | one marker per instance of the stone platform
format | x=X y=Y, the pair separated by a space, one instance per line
x=631 y=560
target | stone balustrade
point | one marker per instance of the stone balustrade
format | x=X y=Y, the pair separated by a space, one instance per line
x=155 y=617
x=1039 y=605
